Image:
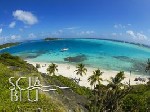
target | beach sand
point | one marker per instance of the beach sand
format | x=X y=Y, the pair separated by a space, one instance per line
x=67 y=70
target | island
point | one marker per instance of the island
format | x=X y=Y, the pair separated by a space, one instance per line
x=8 y=45
x=51 y=38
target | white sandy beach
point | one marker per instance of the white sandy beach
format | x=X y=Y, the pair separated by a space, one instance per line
x=67 y=70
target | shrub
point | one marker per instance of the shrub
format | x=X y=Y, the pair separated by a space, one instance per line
x=38 y=66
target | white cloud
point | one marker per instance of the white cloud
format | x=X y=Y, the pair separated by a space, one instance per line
x=90 y=32
x=2 y=39
x=87 y=32
x=14 y=37
x=1 y=30
x=119 y=26
x=60 y=31
x=12 y=24
x=25 y=16
x=32 y=35
x=131 y=33
x=115 y=26
x=114 y=34
x=136 y=35
x=117 y=34
x=141 y=36
x=10 y=38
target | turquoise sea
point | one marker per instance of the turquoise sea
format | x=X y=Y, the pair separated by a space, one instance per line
x=103 y=54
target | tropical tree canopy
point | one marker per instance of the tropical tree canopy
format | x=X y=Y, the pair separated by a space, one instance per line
x=148 y=66
x=115 y=82
x=95 y=78
x=81 y=69
x=52 y=68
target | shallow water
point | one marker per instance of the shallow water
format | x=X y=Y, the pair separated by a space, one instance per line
x=92 y=52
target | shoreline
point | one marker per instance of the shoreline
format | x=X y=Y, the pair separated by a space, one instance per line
x=9 y=45
x=67 y=70
x=4 y=48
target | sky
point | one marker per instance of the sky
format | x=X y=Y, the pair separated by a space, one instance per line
x=127 y=20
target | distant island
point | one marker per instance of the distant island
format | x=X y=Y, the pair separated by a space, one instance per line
x=138 y=44
x=8 y=45
x=50 y=38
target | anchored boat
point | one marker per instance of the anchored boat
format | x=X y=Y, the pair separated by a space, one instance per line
x=64 y=49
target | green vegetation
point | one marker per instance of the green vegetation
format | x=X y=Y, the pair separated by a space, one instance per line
x=118 y=97
x=50 y=38
x=15 y=63
x=148 y=66
x=81 y=69
x=45 y=102
x=114 y=97
x=64 y=81
x=138 y=99
x=115 y=82
x=95 y=78
x=52 y=68
x=107 y=98
x=148 y=83
x=8 y=45
x=38 y=66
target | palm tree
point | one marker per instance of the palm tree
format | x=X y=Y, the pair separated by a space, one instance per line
x=116 y=81
x=52 y=68
x=95 y=78
x=81 y=69
x=148 y=66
